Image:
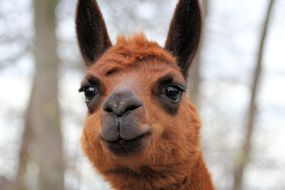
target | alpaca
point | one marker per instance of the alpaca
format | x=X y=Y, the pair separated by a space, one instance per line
x=141 y=131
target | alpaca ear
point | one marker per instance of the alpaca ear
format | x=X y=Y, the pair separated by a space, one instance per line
x=91 y=31
x=184 y=33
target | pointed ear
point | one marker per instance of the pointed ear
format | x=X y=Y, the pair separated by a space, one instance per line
x=184 y=33
x=91 y=31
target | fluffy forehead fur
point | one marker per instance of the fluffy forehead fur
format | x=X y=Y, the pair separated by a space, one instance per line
x=129 y=52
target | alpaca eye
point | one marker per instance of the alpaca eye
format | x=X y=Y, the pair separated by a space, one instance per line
x=89 y=93
x=173 y=93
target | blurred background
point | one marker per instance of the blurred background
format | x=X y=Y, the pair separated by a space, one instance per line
x=237 y=83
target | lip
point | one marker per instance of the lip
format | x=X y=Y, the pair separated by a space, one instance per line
x=130 y=147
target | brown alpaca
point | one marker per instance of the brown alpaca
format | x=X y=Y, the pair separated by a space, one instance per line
x=141 y=131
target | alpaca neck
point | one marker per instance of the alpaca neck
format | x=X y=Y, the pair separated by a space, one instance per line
x=153 y=178
x=200 y=178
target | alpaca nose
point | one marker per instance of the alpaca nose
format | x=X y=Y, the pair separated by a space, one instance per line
x=121 y=102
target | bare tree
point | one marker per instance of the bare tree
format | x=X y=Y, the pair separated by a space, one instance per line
x=246 y=148
x=42 y=138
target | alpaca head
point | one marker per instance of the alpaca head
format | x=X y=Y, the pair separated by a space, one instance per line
x=139 y=117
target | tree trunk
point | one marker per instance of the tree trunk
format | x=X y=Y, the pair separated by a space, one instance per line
x=42 y=139
x=24 y=152
x=246 y=148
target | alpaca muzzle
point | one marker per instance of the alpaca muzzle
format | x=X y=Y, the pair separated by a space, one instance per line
x=123 y=123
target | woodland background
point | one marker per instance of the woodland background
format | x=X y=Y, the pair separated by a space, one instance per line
x=237 y=84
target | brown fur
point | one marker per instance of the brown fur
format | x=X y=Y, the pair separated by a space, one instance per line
x=171 y=156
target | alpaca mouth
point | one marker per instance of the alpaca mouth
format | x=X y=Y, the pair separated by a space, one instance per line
x=122 y=147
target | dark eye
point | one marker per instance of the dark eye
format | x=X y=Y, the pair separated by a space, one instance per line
x=89 y=93
x=173 y=93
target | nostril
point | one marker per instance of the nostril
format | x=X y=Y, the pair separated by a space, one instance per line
x=134 y=106
x=108 y=109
